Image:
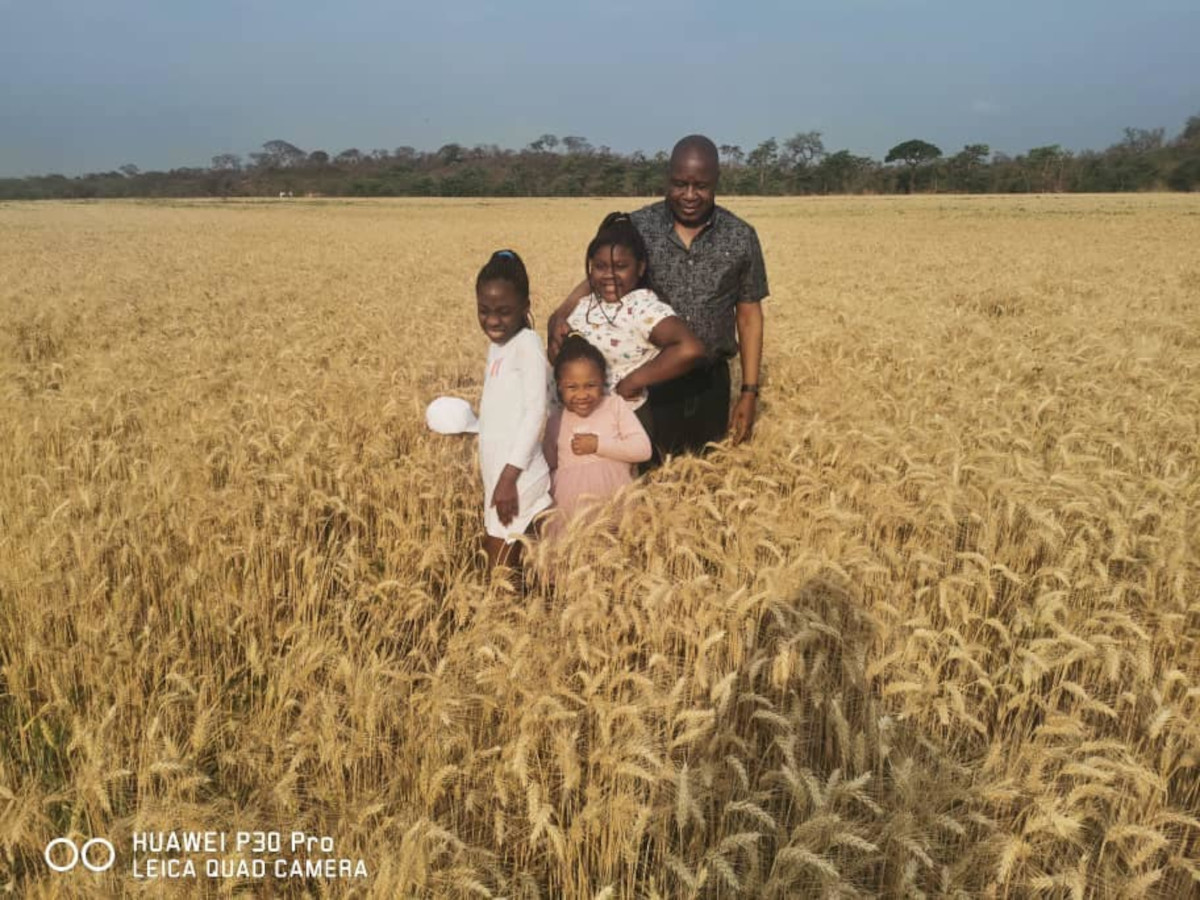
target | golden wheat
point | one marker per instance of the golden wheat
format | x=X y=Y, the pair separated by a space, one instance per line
x=934 y=632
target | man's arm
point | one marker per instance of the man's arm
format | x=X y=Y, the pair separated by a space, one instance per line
x=556 y=325
x=752 y=289
x=750 y=342
x=679 y=351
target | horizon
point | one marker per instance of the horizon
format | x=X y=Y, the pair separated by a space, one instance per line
x=993 y=154
x=92 y=89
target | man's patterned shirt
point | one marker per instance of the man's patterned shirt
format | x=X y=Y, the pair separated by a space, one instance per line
x=704 y=283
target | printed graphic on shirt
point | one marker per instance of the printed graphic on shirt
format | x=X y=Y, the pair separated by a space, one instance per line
x=620 y=331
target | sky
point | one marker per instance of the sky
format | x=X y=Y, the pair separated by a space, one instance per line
x=89 y=85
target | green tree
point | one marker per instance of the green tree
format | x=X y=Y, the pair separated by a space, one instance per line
x=762 y=160
x=465 y=181
x=450 y=154
x=1185 y=151
x=545 y=144
x=1133 y=163
x=576 y=145
x=1143 y=140
x=1186 y=175
x=612 y=182
x=803 y=149
x=484 y=151
x=283 y=155
x=914 y=154
x=1045 y=168
x=798 y=156
x=967 y=168
x=842 y=172
x=647 y=174
x=1190 y=133
x=226 y=162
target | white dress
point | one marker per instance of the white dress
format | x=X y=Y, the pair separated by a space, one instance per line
x=511 y=415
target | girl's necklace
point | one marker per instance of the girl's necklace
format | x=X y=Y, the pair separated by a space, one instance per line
x=612 y=320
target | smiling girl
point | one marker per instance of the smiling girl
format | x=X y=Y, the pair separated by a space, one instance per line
x=516 y=479
x=591 y=443
x=642 y=340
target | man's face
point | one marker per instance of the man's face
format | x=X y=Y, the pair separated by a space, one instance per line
x=692 y=188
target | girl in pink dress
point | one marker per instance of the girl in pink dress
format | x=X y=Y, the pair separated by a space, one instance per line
x=594 y=440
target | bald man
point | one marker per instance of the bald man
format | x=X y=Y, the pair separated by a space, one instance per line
x=707 y=264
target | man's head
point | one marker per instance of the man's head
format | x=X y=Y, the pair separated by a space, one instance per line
x=692 y=180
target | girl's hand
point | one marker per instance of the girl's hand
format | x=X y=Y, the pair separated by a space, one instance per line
x=583 y=444
x=505 y=497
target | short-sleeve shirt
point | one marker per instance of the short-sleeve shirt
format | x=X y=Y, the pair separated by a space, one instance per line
x=704 y=283
x=621 y=331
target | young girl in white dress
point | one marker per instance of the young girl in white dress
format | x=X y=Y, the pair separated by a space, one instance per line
x=516 y=479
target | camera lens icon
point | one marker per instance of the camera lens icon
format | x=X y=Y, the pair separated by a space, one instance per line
x=76 y=855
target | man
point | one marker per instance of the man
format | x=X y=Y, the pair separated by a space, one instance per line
x=707 y=264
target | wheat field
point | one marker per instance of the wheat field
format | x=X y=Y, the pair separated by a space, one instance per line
x=934 y=633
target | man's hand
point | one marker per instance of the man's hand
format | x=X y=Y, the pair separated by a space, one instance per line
x=583 y=444
x=741 y=420
x=556 y=332
x=750 y=341
x=630 y=386
x=505 y=497
x=556 y=326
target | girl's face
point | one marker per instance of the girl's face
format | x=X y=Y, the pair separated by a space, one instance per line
x=501 y=309
x=581 y=386
x=614 y=272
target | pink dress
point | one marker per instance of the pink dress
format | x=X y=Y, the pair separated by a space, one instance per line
x=596 y=476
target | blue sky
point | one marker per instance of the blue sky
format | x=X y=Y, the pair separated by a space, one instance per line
x=89 y=85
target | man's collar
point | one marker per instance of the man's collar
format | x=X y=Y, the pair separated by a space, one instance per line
x=668 y=218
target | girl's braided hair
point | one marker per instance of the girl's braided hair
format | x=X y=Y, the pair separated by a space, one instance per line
x=575 y=346
x=506 y=265
x=618 y=230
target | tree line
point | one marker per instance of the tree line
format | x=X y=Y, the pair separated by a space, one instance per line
x=570 y=166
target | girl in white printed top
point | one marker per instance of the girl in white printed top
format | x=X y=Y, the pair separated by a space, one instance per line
x=516 y=479
x=642 y=339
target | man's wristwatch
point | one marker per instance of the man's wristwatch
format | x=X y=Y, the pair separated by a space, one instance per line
x=750 y=389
